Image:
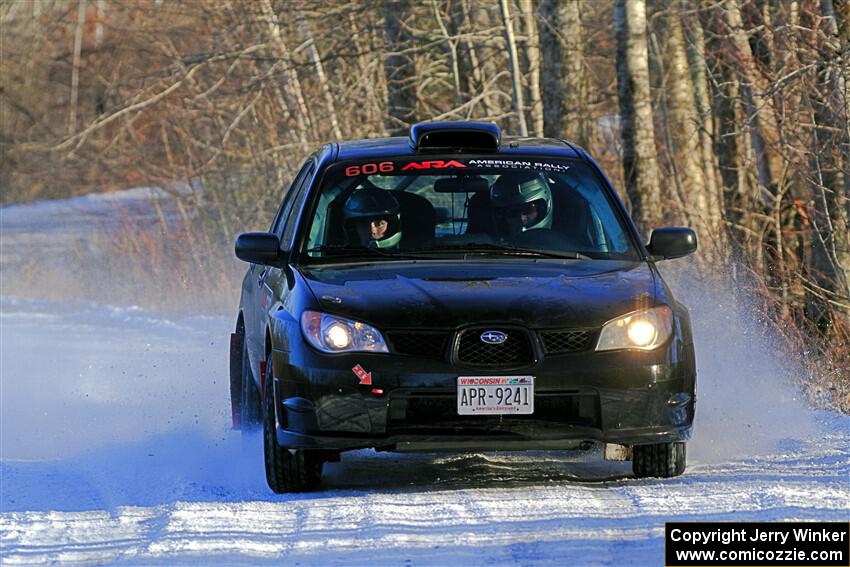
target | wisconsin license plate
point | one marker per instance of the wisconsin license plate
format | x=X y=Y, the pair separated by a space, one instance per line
x=495 y=395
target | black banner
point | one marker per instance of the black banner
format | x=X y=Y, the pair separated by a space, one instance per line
x=815 y=544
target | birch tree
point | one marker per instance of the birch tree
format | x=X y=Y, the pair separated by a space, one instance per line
x=564 y=81
x=640 y=162
x=293 y=83
x=703 y=208
x=513 y=60
x=699 y=74
x=532 y=48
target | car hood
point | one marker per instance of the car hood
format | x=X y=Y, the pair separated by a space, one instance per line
x=572 y=293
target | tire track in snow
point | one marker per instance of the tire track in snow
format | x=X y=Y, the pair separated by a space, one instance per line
x=383 y=526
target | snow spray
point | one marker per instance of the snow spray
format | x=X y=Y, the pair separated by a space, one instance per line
x=749 y=401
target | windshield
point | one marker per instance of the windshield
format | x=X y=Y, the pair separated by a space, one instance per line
x=448 y=206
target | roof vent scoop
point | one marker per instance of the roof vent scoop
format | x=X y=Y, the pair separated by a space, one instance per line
x=481 y=136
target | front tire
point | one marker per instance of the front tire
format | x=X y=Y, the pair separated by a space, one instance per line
x=287 y=470
x=662 y=460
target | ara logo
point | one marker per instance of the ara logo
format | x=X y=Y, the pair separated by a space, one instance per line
x=493 y=337
x=433 y=164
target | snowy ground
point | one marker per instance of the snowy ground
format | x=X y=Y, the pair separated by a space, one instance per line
x=115 y=448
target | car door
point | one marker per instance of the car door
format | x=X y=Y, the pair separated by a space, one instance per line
x=257 y=297
x=273 y=283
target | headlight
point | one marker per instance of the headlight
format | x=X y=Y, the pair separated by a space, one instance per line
x=330 y=333
x=643 y=330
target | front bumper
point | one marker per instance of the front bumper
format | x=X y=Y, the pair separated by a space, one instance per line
x=625 y=397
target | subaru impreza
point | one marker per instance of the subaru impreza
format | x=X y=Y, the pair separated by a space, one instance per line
x=457 y=290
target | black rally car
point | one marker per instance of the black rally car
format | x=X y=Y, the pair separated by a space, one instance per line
x=456 y=290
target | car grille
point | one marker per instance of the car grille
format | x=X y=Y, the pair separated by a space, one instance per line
x=427 y=344
x=515 y=351
x=567 y=340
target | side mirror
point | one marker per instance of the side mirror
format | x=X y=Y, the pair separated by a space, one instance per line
x=672 y=242
x=258 y=248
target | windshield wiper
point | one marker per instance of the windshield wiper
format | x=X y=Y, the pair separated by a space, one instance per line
x=490 y=247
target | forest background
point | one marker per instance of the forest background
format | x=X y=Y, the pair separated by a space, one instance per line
x=729 y=116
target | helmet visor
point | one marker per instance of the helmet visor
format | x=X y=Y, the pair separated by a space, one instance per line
x=524 y=214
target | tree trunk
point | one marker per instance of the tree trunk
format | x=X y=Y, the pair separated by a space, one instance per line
x=830 y=258
x=702 y=206
x=100 y=9
x=320 y=75
x=293 y=83
x=535 y=101
x=552 y=77
x=513 y=59
x=472 y=82
x=640 y=162
x=761 y=117
x=484 y=68
x=399 y=68
x=697 y=61
x=454 y=60
x=731 y=143
x=575 y=123
x=75 y=67
x=369 y=78
x=564 y=78
x=841 y=90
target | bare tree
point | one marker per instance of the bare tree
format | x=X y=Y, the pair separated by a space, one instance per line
x=399 y=68
x=703 y=207
x=293 y=83
x=320 y=75
x=761 y=116
x=575 y=122
x=640 y=162
x=75 y=66
x=697 y=62
x=532 y=49
x=830 y=260
x=513 y=59
x=564 y=80
x=552 y=79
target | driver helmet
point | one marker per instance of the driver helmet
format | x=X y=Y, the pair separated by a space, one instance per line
x=522 y=201
x=372 y=218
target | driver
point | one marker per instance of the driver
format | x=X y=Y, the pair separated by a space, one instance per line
x=372 y=219
x=522 y=201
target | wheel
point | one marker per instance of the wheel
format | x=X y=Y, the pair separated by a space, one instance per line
x=244 y=400
x=287 y=470
x=250 y=416
x=660 y=460
x=236 y=341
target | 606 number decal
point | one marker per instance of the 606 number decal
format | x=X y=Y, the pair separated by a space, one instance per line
x=369 y=168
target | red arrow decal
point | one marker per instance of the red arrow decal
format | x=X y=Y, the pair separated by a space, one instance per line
x=365 y=377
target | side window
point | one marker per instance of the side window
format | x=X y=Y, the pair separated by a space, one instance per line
x=289 y=198
x=300 y=194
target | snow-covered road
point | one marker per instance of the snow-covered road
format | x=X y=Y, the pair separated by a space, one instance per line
x=115 y=448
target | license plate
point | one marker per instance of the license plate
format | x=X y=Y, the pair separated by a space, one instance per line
x=495 y=395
